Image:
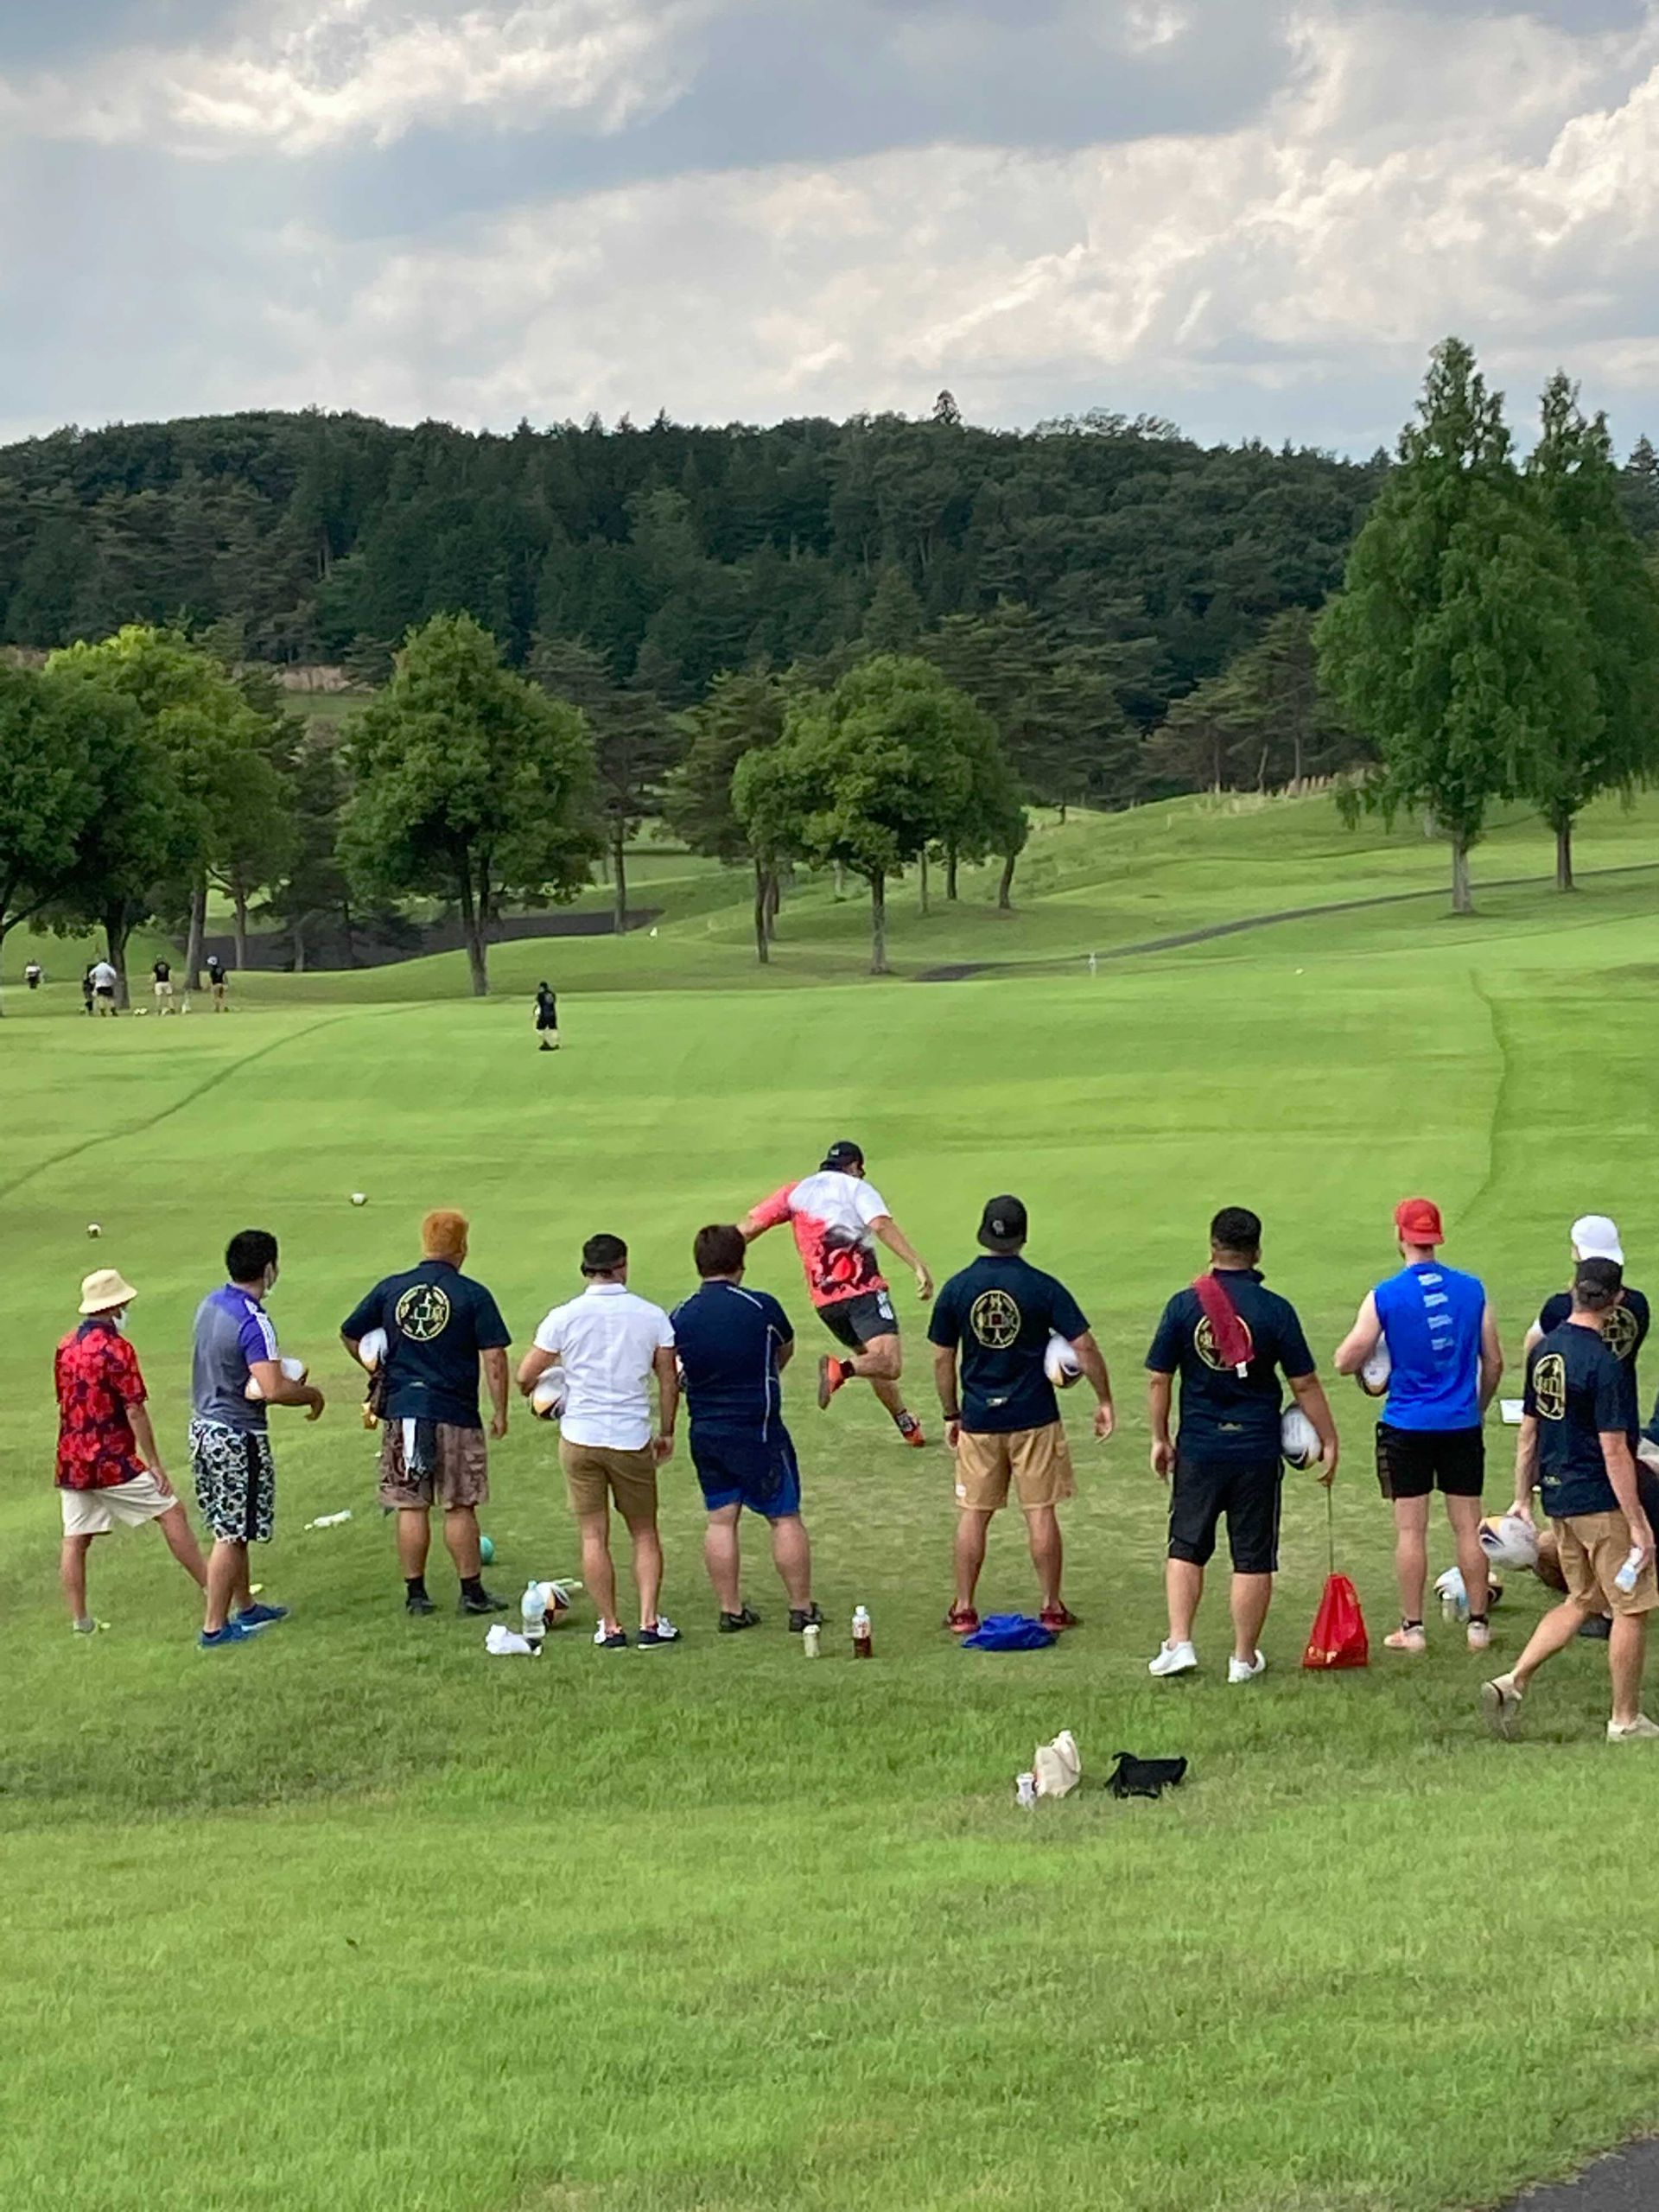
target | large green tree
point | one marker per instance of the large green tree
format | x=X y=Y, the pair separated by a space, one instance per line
x=470 y=784
x=1575 y=485
x=743 y=714
x=865 y=777
x=54 y=737
x=1454 y=645
x=634 y=742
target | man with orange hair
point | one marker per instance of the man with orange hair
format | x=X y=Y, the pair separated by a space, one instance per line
x=440 y=1326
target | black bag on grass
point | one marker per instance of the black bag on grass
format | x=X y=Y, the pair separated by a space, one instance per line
x=1133 y=1778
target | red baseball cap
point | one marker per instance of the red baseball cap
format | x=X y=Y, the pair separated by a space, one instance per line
x=1418 y=1221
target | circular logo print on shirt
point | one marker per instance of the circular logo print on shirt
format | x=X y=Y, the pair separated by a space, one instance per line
x=424 y=1312
x=1549 y=1386
x=1204 y=1343
x=1618 y=1331
x=994 y=1321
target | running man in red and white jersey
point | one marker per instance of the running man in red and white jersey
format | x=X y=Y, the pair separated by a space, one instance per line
x=837 y=1216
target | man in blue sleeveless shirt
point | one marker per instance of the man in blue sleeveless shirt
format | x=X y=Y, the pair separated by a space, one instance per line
x=1445 y=1365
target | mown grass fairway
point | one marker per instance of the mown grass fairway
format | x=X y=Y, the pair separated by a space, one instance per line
x=358 y=1918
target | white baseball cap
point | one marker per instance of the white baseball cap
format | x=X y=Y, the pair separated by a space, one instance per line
x=1595 y=1236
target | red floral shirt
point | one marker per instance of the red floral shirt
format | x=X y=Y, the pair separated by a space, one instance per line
x=97 y=1379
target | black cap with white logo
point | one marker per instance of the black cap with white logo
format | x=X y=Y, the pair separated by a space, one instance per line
x=1002 y=1225
x=844 y=1154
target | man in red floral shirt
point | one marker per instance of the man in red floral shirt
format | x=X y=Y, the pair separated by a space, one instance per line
x=109 y=1471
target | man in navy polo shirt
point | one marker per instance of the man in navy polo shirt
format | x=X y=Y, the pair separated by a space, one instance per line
x=993 y=1322
x=1228 y=1459
x=440 y=1326
x=733 y=1345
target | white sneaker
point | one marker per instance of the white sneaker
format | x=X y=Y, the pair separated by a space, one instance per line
x=1479 y=1635
x=1640 y=1730
x=1174 y=1659
x=1240 y=1670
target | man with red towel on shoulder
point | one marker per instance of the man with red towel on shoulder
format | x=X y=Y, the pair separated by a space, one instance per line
x=1229 y=1339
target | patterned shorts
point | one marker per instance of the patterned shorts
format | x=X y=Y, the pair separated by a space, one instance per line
x=460 y=1477
x=236 y=1481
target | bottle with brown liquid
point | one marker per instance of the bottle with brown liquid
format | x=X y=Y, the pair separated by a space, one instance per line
x=863 y=1645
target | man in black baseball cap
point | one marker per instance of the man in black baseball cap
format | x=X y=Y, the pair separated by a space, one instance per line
x=997 y=1320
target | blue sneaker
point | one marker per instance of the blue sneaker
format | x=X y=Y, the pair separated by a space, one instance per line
x=259 y=1616
x=232 y=1632
x=662 y=1630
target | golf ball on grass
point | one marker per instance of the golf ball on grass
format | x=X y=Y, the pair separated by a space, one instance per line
x=92 y=1229
x=359 y=1197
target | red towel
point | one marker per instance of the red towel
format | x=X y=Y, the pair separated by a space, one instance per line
x=1232 y=1339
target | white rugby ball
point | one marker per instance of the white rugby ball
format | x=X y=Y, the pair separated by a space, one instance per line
x=547 y=1399
x=1060 y=1363
x=296 y=1370
x=371 y=1348
x=1373 y=1377
x=1299 y=1440
x=1508 y=1541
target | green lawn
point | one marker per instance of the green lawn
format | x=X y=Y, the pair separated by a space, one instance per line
x=356 y=1917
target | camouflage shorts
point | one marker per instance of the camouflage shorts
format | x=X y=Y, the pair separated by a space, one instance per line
x=460 y=1477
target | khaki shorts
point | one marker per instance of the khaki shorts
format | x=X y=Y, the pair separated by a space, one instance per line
x=163 y=990
x=596 y=1473
x=1038 y=1460
x=460 y=1477
x=124 y=1505
x=1594 y=1547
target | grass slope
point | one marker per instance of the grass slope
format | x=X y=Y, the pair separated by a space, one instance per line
x=357 y=1918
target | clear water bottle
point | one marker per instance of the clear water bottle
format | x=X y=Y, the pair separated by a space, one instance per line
x=1631 y=1573
x=533 y=1613
x=863 y=1642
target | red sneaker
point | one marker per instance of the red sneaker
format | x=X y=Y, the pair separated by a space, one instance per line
x=831 y=1376
x=962 y=1620
x=1056 y=1618
x=910 y=1429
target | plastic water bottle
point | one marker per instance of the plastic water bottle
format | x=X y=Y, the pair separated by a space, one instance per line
x=329 y=1520
x=863 y=1642
x=809 y=1635
x=1631 y=1572
x=533 y=1613
x=1025 y=1790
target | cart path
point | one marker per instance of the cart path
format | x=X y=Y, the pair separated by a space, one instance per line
x=1626 y=2182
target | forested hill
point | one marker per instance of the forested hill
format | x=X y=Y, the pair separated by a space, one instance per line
x=675 y=552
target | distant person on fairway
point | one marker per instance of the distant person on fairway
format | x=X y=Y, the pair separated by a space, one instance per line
x=104 y=981
x=1229 y=1337
x=733 y=1346
x=1444 y=1364
x=994 y=1321
x=837 y=1216
x=109 y=1471
x=1595 y=1236
x=441 y=1327
x=162 y=974
x=230 y=1443
x=87 y=988
x=610 y=1344
x=547 y=1018
x=1573 y=1445
x=34 y=974
x=216 y=979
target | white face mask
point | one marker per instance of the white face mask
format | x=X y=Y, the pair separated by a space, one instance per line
x=119 y=1317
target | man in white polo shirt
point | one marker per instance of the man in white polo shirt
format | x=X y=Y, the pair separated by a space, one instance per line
x=608 y=1343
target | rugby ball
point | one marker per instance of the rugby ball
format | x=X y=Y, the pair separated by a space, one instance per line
x=294 y=1369
x=547 y=1399
x=371 y=1348
x=1299 y=1440
x=1373 y=1377
x=1060 y=1363
x=1508 y=1541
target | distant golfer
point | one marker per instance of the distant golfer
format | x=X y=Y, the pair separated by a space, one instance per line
x=837 y=1217
x=34 y=974
x=1445 y=1365
x=1573 y=1445
x=162 y=975
x=995 y=1321
x=216 y=981
x=109 y=1471
x=733 y=1346
x=1228 y=1338
x=547 y=1018
x=1594 y=1237
x=441 y=1328
x=229 y=1443
x=103 y=981
x=87 y=990
x=610 y=1344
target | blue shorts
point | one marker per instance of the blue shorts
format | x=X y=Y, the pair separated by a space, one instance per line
x=750 y=1469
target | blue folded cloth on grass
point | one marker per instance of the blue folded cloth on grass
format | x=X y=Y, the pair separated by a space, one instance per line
x=1009 y=1632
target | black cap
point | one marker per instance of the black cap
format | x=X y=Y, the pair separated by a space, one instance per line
x=843 y=1153
x=1002 y=1225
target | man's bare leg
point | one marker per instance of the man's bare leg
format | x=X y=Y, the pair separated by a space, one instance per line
x=598 y=1571
x=1252 y=1594
x=227 y=1581
x=175 y=1525
x=647 y=1563
x=460 y=1540
x=1411 y=1555
x=792 y=1554
x=972 y=1531
x=72 y=1573
x=1464 y=1514
x=1047 y=1553
x=721 y=1557
x=414 y=1540
x=1183 y=1587
x=1627 y=1649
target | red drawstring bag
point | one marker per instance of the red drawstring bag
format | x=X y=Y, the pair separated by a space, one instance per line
x=1338 y=1638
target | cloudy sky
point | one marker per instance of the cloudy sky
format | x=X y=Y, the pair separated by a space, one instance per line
x=1253 y=216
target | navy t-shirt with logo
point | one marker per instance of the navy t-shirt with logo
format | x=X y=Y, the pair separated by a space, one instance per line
x=1576 y=1389
x=727 y=1340
x=1625 y=1331
x=437 y=1321
x=999 y=1313
x=1226 y=1416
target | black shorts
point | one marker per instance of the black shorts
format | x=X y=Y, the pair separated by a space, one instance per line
x=859 y=1321
x=1414 y=1462
x=1246 y=1492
